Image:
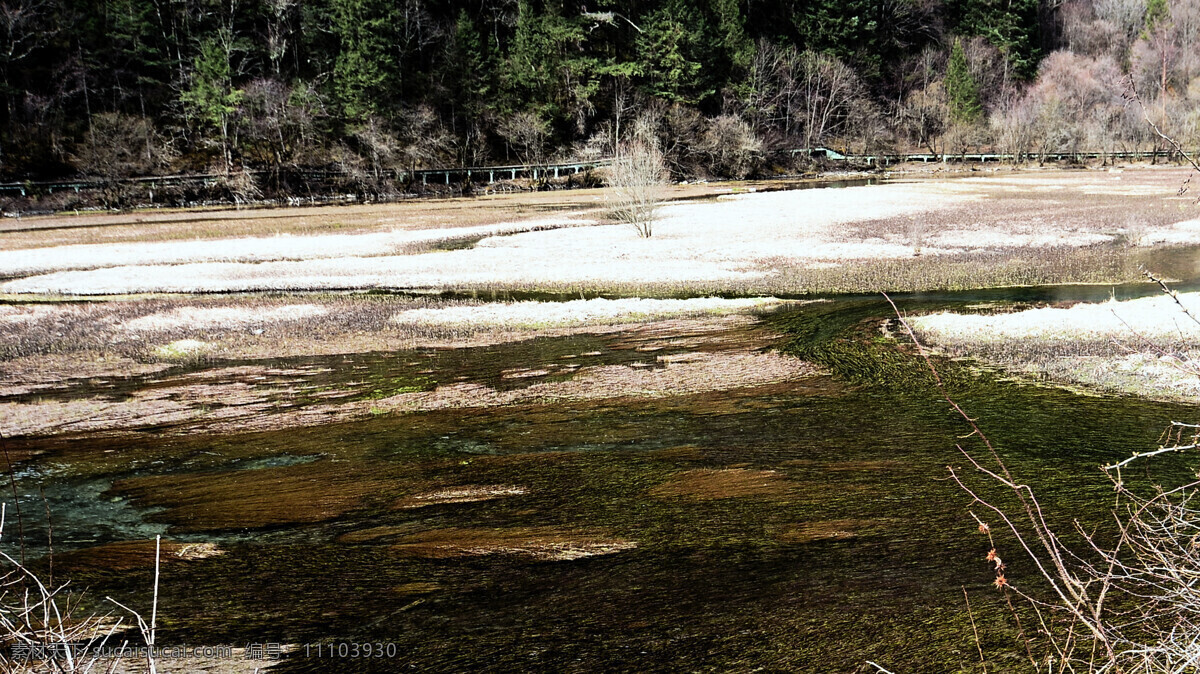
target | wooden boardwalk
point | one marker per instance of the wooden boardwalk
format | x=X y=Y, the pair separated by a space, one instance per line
x=493 y=174
x=445 y=176
x=977 y=157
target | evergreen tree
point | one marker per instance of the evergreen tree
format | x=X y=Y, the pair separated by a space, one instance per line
x=140 y=64
x=1157 y=11
x=1012 y=26
x=962 y=93
x=364 y=69
x=549 y=69
x=563 y=67
x=211 y=99
x=668 y=51
x=739 y=49
x=470 y=65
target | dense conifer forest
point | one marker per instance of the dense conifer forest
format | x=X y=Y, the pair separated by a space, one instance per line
x=122 y=88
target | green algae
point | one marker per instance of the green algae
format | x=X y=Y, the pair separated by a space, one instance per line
x=757 y=578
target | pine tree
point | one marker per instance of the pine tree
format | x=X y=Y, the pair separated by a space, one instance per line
x=365 y=65
x=472 y=69
x=1157 y=11
x=211 y=98
x=962 y=93
x=1012 y=26
x=669 y=52
x=739 y=49
x=549 y=69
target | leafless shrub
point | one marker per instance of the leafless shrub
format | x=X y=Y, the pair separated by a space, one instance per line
x=121 y=146
x=427 y=142
x=39 y=622
x=526 y=132
x=636 y=178
x=1122 y=600
x=734 y=149
x=826 y=88
x=922 y=113
x=677 y=129
x=595 y=146
x=242 y=186
x=378 y=144
x=276 y=121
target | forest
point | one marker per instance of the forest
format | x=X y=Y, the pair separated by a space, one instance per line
x=107 y=89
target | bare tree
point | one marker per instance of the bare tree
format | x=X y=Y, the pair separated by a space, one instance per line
x=276 y=122
x=924 y=112
x=1014 y=123
x=1074 y=105
x=1127 y=16
x=804 y=97
x=770 y=85
x=526 y=133
x=636 y=179
x=379 y=144
x=279 y=32
x=826 y=90
x=426 y=140
x=733 y=149
x=124 y=146
x=23 y=29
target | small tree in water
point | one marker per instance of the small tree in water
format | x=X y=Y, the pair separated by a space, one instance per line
x=635 y=180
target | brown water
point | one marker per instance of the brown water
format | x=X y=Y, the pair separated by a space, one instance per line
x=792 y=527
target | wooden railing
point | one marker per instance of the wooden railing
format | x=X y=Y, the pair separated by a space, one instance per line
x=981 y=157
x=488 y=174
x=492 y=174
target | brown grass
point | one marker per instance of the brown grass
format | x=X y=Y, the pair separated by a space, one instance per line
x=809 y=532
x=134 y=555
x=1105 y=263
x=1050 y=215
x=73 y=340
x=470 y=493
x=541 y=543
x=175 y=225
x=728 y=354
x=706 y=484
x=98 y=330
x=307 y=493
x=703 y=372
x=1146 y=347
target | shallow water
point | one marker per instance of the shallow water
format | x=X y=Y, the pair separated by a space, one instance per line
x=793 y=527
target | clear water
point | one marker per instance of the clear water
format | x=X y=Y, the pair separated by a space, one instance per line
x=860 y=555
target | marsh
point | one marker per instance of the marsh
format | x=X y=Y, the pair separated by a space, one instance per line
x=558 y=446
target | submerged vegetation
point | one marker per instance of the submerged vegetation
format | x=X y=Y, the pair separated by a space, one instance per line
x=574 y=462
x=667 y=425
x=768 y=507
x=1106 y=598
x=494 y=428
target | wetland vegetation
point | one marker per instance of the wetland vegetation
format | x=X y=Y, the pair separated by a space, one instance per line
x=717 y=473
x=510 y=432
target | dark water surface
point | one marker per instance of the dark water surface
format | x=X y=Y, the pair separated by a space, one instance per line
x=855 y=547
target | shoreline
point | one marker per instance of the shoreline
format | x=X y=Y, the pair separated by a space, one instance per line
x=1015 y=228
x=1144 y=347
x=779 y=182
